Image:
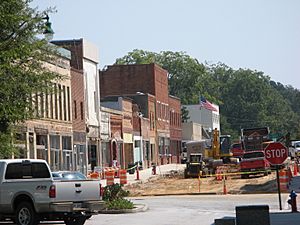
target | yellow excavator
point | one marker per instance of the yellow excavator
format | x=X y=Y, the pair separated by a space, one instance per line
x=220 y=148
x=205 y=158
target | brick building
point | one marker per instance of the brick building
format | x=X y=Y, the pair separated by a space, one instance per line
x=78 y=120
x=175 y=128
x=85 y=57
x=50 y=136
x=139 y=79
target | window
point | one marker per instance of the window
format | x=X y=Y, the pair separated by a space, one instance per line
x=137 y=143
x=81 y=110
x=55 y=101
x=37 y=104
x=69 y=105
x=64 y=102
x=51 y=106
x=47 y=103
x=60 y=102
x=42 y=105
x=75 y=109
x=26 y=170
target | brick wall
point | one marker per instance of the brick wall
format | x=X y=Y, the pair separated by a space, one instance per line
x=76 y=48
x=78 y=112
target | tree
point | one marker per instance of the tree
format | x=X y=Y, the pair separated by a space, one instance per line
x=22 y=56
x=247 y=98
x=184 y=114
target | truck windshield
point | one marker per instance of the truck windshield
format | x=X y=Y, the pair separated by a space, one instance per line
x=253 y=155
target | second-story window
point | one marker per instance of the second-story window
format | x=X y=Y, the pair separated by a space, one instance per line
x=64 y=102
x=60 y=102
x=81 y=110
x=75 y=109
x=69 y=103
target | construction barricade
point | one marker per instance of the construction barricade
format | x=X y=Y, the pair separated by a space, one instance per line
x=219 y=173
x=284 y=179
x=123 y=176
x=110 y=176
x=94 y=175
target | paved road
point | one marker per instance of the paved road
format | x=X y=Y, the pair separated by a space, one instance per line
x=179 y=210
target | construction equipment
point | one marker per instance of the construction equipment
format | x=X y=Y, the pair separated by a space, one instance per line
x=195 y=154
x=220 y=148
x=204 y=156
x=194 y=165
x=253 y=139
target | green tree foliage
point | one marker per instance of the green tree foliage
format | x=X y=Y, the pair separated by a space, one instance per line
x=22 y=58
x=247 y=98
x=184 y=114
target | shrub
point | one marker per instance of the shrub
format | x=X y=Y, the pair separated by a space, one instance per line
x=119 y=204
x=114 y=192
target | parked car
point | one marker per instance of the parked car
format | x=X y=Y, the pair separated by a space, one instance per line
x=29 y=194
x=68 y=175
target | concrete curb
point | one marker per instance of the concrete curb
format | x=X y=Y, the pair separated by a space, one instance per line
x=137 y=208
x=145 y=195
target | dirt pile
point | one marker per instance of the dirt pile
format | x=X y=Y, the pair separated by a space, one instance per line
x=174 y=183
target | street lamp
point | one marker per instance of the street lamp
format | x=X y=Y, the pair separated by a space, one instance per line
x=48 y=32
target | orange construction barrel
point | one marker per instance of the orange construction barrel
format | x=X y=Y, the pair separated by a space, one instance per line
x=94 y=175
x=123 y=176
x=284 y=180
x=109 y=175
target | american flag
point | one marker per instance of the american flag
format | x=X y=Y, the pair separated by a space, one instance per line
x=206 y=104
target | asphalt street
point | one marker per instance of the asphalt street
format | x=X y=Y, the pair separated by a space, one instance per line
x=203 y=209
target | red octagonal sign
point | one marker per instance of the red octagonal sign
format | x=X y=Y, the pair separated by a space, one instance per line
x=276 y=153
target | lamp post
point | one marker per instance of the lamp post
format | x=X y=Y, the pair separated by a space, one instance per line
x=48 y=32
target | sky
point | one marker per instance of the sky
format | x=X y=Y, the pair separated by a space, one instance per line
x=262 y=35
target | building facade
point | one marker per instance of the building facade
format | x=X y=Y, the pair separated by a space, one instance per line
x=208 y=119
x=175 y=129
x=50 y=137
x=85 y=57
x=144 y=79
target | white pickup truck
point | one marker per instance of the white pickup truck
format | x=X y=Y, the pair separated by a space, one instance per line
x=28 y=194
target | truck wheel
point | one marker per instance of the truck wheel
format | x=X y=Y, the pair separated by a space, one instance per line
x=78 y=220
x=25 y=214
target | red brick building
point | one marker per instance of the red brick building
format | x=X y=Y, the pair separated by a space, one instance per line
x=78 y=118
x=175 y=128
x=153 y=81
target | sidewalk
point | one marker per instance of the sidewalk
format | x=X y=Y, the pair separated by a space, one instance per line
x=295 y=184
x=145 y=174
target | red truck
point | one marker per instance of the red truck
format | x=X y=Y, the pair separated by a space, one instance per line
x=253 y=161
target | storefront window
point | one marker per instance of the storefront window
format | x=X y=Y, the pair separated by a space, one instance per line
x=55 y=152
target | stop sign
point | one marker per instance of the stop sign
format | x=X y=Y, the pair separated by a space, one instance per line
x=276 y=153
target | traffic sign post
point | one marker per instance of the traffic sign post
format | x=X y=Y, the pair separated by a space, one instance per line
x=276 y=153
